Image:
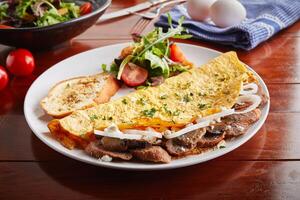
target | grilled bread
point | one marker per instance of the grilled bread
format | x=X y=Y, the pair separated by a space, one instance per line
x=79 y=93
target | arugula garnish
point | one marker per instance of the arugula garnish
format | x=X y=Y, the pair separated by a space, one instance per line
x=152 y=52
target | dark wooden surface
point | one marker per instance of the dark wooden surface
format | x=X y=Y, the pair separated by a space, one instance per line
x=266 y=167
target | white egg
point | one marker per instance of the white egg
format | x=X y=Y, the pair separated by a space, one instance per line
x=225 y=13
x=199 y=9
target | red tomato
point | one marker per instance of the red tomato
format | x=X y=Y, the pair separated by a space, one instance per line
x=3 y=78
x=134 y=75
x=85 y=8
x=20 y=62
x=176 y=54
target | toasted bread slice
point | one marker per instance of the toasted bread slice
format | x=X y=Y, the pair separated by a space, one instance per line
x=79 y=93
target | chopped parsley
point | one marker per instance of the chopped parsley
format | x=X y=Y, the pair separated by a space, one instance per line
x=124 y=101
x=163 y=96
x=94 y=117
x=141 y=101
x=203 y=106
x=110 y=118
x=68 y=85
x=177 y=96
x=201 y=94
x=222 y=147
x=166 y=109
x=187 y=98
x=149 y=113
x=175 y=113
x=186 y=85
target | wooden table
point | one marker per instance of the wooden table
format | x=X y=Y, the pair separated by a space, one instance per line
x=266 y=167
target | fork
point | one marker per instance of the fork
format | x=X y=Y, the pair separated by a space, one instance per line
x=155 y=13
x=147 y=17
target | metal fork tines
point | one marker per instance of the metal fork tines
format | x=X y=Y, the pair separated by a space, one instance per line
x=148 y=16
x=155 y=13
x=139 y=27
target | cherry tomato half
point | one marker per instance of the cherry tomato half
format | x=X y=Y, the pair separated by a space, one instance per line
x=3 y=78
x=176 y=54
x=85 y=8
x=134 y=75
x=20 y=62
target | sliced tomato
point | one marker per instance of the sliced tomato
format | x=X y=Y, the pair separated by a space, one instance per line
x=134 y=75
x=85 y=8
x=176 y=54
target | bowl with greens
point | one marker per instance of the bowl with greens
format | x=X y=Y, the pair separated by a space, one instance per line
x=39 y=24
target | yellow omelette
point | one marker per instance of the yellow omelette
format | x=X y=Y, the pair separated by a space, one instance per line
x=177 y=102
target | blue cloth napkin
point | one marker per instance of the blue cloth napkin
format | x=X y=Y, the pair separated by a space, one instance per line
x=264 y=19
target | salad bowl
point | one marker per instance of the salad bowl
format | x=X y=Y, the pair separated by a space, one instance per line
x=49 y=36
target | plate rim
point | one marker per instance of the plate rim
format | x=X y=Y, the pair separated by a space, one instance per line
x=154 y=166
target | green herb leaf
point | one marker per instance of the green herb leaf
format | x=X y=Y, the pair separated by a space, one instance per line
x=114 y=68
x=3 y=11
x=94 y=117
x=157 y=62
x=187 y=98
x=149 y=113
x=203 y=106
x=124 y=101
x=104 y=67
x=141 y=101
x=49 y=18
x=163 y=96
x=73 y=9
x=22 y=8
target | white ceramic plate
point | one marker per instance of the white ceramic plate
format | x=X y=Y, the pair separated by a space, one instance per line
x=89 y=62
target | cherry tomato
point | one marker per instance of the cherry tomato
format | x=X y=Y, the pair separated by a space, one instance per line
x=134 y=75
x=20 y=62
x=3 y=78
x=85 y=8
x=176 y=54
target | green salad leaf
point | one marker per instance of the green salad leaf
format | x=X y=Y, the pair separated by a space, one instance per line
x=152 y=52
x=21 y=9
x=172 y=33
x=73 y=10
x=49 y=18
x=3 y=10
x=157 y=62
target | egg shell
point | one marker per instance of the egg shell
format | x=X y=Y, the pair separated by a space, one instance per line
x=226 y=13
x=199 y=10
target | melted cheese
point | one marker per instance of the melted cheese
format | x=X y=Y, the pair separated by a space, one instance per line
x=175 y=103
